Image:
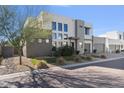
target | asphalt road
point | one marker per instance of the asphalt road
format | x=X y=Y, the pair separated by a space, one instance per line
x=115 y=64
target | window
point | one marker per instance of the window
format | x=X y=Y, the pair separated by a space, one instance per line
x=54 y=36
x=65 y=28
x=87 y=31
x=60 y=36
x=119 y=36
x=59 y=26
x=65 y=36
x=53 y=25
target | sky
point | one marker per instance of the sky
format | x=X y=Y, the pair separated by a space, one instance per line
x=103 y=18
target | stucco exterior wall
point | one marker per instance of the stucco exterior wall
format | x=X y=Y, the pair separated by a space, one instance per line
x=79 y=33
x=36 y=49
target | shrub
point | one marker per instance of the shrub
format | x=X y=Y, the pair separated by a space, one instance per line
x=69 y=58
x=60 y=61
x=38 y=64
x=64 y=51
x=77 y=52
x=95 y=50
x=117 y=51
x=53 y=48
x=103 y=56
x=77 y=58
x=88 y=58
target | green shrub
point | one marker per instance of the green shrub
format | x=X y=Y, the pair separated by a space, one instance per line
x=64 y=51
x=50 y=59
x=38 y=64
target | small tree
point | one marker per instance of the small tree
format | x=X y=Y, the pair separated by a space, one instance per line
x=18 y=30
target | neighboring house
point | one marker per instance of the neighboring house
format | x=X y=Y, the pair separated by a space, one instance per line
x=109 y=42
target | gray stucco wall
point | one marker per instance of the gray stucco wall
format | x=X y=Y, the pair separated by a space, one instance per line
x=99 y=44
x=7 y=51
x=79 y=33
x=36 y=49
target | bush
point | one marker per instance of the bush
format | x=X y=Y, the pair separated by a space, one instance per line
x=69 y=58
x=77 y=52
x=117 y=51
x=54 y=49
x=60 y=61
x=38 y=64
x=64 y=51
x=103 y=56
x=86 y=58
x=77 y=58
x=94 y=51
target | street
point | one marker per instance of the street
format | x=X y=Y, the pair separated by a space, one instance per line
x=115 y=64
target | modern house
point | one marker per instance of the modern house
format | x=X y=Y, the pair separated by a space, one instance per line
x=109 y=42
x=65 y=31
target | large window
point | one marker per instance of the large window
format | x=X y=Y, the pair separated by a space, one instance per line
x=59 y=26
x=54 y=36
x=60 y=36
x=53 y=25
x=65 y=27
x=87 y=31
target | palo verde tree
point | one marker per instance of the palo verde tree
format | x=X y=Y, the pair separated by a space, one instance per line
x=19 y=28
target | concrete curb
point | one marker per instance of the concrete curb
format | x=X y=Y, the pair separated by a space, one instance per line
x=90 y=62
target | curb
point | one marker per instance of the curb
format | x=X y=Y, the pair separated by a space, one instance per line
x=89 y=63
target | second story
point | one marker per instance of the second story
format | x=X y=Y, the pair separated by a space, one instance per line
x=59 y=24
x=114 y=35
x=88 y=31
x=64 y=27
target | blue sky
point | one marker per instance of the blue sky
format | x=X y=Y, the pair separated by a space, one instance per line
x=103 y=18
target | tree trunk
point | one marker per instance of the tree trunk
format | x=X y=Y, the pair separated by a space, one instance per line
x=20 y=56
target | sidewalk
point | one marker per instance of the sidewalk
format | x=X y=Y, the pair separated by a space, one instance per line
x=110 y=57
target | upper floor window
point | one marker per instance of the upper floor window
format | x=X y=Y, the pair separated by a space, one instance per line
x=119 y=36
x=60 y=36
x=87 y=31
x=59 y=26
x=65 y=27
x=53 y=25
x=54 y=36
